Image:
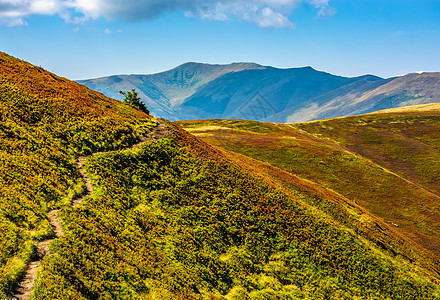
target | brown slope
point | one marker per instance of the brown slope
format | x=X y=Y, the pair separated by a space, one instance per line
x=404 y=141
x=431 y=107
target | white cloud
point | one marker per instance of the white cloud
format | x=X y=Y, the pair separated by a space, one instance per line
x=253 y=12
x=325 y=10
x=13 y=12
x=269 y=18
x=264 y=13
x=107 y=31
x=44 y=7
x=7 y=21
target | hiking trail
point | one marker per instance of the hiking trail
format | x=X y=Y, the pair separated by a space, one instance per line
x=22 y=290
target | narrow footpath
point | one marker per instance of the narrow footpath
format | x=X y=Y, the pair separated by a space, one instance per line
x=23 y=289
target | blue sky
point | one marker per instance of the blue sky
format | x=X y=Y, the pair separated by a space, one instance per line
x=82 y=39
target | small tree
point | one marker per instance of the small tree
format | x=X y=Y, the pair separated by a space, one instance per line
x=132 y=98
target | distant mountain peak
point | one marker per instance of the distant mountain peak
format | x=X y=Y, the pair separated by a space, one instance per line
x=201 y=90
x=213 y=71
x=197 y=64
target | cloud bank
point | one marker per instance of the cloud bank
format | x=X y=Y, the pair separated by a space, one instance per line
x=264 y=13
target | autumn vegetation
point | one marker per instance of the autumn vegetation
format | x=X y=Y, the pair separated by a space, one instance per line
x=179 y=219
x=45 y=122
x=176 y=219
x=386 y=163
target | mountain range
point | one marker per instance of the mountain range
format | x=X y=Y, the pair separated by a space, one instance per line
x=254 y=92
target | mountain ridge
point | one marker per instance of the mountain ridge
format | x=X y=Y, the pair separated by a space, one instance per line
x=164 y=90
x=264 y=93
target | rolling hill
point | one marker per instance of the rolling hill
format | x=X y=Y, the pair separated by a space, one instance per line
x=254 y=92
x=387 y=162
x=164 y=215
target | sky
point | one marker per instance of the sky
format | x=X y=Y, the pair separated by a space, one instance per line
x=82 y=39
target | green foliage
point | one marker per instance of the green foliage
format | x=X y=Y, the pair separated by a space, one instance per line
x=176 y=220
x=332 y=154
x=401 y=167
x=132 y=98
x=45 y=121
x=169 y=220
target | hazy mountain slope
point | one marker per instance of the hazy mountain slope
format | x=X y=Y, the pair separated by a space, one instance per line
x=355 y=157
x=45 y=121
x=250 y=91
x=406 y=90
x=244 y=94
x=164 y=91
x=178 y=220
x=313 y=107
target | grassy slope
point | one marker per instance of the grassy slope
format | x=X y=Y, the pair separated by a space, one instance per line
x=337 y=207
x=45 y=121
x=178 y=220
x=405 y=143
x=173 y=219
x=413 y=209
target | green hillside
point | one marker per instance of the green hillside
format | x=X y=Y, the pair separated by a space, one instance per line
x=386 y=163
x=175 y=218
x=178 y=220
x=406 y=143
x=45 y=121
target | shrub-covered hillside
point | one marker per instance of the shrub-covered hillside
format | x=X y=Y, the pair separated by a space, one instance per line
x=45 y=121
x=406 y=145
x=387 y=163
x=175 y=219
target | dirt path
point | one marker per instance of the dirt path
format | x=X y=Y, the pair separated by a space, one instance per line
x=23 y=289
x=88 y=183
